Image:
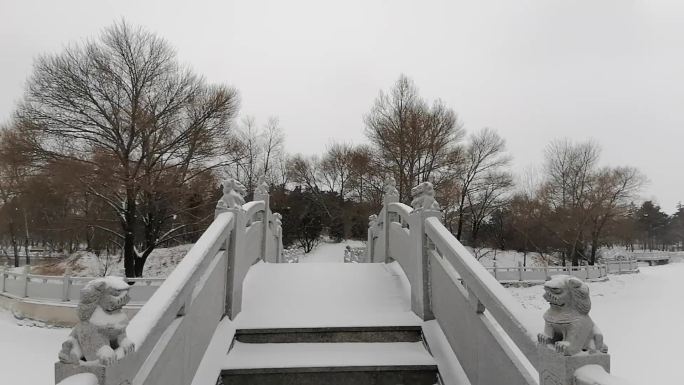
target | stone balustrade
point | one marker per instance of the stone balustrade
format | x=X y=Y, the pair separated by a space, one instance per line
x=478 y=316
x=172 y=330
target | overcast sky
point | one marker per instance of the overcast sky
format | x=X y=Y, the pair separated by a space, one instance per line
x=535 y=70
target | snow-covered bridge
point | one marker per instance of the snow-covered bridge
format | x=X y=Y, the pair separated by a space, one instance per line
x=422 y=310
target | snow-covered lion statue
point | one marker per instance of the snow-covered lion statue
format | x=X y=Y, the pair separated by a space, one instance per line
x=424 y=197
x=567 y=323
x=100 y=336
x=233 y=195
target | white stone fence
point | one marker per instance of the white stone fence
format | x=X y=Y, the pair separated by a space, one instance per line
x=596 y=272
x=51 y=288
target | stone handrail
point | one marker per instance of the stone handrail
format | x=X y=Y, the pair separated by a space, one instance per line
x=481 y=291
x=253 y=207
x=596 y=375
x=620 y=267
x=481 y=320
x=544 y=273
x=404 y=211
x=173 y=329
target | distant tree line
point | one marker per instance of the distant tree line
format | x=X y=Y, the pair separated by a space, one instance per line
x=118 y=148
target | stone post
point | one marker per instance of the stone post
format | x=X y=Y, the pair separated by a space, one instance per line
x=3 y=277
x=391 y=196
x=566 y=346
x=520 y=271
x=266 y=253
x=370 y=243
x=236 y=247
x=424 y=206
x=495 y=272
x=66 y=284
x=278 y=229
x=27 y=269
x=232 y=201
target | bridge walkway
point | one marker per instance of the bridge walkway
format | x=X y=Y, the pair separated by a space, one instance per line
x=330 y=323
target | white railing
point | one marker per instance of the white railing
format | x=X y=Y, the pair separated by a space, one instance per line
x=464 y=293
x=59 y=289
x=480 y=318
x=173 y=329
x=522 y=273
x=622 y=266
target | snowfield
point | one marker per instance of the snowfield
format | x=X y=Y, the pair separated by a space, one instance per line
x=28 y=353
x=632 y=311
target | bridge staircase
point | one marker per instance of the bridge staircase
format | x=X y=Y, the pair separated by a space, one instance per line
x=326 y=323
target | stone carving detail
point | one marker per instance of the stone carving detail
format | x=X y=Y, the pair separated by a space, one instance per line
x=424 y=197
x=567 y=323
x=278 y=219
x=262 y=186
x=100 y=336
x=372 y=220
x=391 y=187
x=233 y=195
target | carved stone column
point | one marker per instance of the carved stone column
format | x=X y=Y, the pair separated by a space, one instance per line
x=391 y=196
x=424 y=206
x=232 y=201
x=261 y=194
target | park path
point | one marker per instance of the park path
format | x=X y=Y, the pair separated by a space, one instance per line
x=328 y=252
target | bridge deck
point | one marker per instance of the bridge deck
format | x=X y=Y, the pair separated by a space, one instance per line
x=320 y=295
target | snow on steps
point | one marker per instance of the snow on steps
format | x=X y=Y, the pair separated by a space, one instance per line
x=325 y=295
x=329 y=363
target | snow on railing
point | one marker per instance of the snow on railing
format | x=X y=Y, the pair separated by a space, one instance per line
x=178 y=284
x=596 y=375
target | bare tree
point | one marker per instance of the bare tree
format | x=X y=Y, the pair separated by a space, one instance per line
x=611 y=195
x=484 y=157
x=485 y=198
x=126 y=97
x=414 y=140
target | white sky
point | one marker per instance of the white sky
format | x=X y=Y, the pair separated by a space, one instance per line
x=535 y=70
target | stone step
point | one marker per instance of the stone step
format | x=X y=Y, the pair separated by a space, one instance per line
x=331 y=334
x=361 y=375
x=354 y=363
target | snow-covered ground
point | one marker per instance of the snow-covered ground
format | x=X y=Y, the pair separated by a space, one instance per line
x=639 y=315
x=28 y=353
x=86 y=264
x=329 y=252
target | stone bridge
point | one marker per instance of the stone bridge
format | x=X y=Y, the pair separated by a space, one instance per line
x=422 y=310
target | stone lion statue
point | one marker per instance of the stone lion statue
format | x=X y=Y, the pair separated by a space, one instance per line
x=567 y=323
x=390 y=188
x=100 y=336
x=262 y=186
x=372 y=220
x=233 y=192
x=424 y=197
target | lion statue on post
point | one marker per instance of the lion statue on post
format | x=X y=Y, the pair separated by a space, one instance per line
x=100 y=336
x=424 y=197
x=567 y=323
x=233 y=193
